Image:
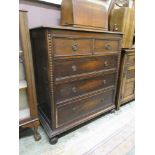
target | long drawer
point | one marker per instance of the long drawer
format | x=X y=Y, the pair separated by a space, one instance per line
x=72 y=89
x=78 y=109
x=74 y=66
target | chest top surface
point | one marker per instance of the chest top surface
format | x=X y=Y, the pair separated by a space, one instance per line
x=74 y=29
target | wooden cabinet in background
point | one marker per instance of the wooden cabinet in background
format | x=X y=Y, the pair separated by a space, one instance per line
x=122 y=20
x=76 y=75
x=28 y=116
x=126 y=85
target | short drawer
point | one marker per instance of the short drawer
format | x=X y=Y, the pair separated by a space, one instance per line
x=72 y=46
x=102 y=45
x=73 y=89
x=74 y=111
x=69 y=67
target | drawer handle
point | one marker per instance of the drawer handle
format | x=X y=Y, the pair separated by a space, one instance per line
x=75 y=47
x=74 y=68
x=102 y=100
x=104 y=81
x=115 y=28
x=74 y=89
x=106 y=64
x=73 y=109
x=108 y=47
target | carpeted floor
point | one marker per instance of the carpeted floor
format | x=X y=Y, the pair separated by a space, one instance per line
x=111 y=134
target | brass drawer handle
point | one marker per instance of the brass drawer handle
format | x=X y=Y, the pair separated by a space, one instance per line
x=106 y=64
x=108 y=47
x=75 y=47
x=104 y=81
x=115 y=28
x=74 y=89
x=74 y=68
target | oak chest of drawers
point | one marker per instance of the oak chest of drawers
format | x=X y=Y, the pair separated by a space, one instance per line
x=126 y=84
x=76 y=75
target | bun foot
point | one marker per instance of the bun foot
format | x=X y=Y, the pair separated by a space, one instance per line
x=53 y=140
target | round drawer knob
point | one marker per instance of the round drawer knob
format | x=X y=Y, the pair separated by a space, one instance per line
x=102 y=100
x=74 y=68
x=74 y=89
x=104 y=81
x=115 y=28
x=74 y=109
x=106 y=64
x=108 y=47
x=74 y=47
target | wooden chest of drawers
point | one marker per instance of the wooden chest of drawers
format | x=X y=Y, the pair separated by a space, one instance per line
x=76 y=75
x=126 y=85
x=85 y=13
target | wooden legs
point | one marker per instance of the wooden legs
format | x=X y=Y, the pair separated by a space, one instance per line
x=53 y=140
x=35 y=131
x=34 y=126
x=36 y=134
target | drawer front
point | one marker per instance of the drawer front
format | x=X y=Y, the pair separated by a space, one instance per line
x=69 y=67
x=102 y=45
x=71 y=46
x=131 y=60
x=73 y=89
x=71 y=112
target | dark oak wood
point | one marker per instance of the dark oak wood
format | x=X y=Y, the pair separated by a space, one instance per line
x=83 y=107
x=85 y=13
x=126 y=85
x=102 y=45
x=69 y=90
x=72 y=46
x=76 y=66
x=73 y=88
x=31 y=120
x=53 y=140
